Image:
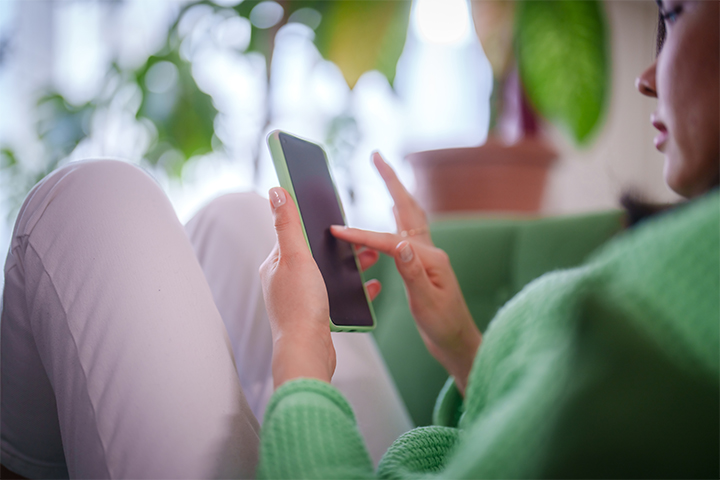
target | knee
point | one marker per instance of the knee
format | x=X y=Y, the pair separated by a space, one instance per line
x=88 y=178
x=88 y=189
x=235 y=218
x=234 y=205
x=238 y=212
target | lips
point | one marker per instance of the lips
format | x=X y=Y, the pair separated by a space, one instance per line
x=661 y=137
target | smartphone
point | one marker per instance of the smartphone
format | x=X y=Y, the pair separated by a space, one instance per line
x=303 y=171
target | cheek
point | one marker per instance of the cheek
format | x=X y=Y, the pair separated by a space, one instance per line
x=694 y=151
x=689 y=103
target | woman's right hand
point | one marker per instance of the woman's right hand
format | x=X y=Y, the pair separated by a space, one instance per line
x=434 y=296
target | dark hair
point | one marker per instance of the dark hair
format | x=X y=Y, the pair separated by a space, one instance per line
x=637 y=208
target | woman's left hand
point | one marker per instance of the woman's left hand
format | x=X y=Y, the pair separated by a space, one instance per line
x=296 y=300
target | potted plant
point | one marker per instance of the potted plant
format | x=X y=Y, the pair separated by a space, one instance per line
x=548 y=57
x=179 y=117
x=550 y=60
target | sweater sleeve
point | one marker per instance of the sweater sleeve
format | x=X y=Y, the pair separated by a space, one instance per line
x=310 y=432
x=449 y=406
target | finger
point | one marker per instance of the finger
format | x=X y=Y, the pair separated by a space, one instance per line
x=408 y=214
x=367 y=258
x=288 y=228
x=395 y=187
x=383 y=242
x=413 y=272
x=373 y=288
x=398 y=218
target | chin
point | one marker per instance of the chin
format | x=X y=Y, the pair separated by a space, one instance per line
x=674 y=178
x=690 y=188
x=670 y=175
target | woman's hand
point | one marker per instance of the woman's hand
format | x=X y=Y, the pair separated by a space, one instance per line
x=434 y=295
x=297 y=301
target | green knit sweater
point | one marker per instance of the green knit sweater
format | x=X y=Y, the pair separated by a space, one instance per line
x=607 y=370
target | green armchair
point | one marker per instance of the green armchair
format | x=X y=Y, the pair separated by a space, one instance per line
x=494 y=258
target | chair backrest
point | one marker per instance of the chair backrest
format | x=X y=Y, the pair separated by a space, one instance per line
x=493 y=258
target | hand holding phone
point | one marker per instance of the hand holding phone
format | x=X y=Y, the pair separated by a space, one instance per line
x=296 y=301
x=303 y=172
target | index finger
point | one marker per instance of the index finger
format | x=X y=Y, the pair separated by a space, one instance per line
x=397 y=190
x=380 y=241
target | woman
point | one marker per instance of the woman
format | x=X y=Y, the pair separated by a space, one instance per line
x=134 y=348
x=609 y=370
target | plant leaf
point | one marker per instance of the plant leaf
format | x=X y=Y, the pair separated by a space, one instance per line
x=363 y=35
x=563 y=59
x=184 y=115
x=62 y=125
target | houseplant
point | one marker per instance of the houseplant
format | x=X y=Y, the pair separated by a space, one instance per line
x=550 y=61
x=542 y=40
x=179 y=116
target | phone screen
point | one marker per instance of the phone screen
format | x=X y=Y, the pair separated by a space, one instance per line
x=319 y=207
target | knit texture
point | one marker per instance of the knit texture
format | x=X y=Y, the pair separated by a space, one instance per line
x=607 y=370
x=422 y=450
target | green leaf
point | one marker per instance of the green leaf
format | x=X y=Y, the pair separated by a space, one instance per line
x=359 y=36
x=61 y=125
x=8 y=159
x=183 y=115
x=563 y=58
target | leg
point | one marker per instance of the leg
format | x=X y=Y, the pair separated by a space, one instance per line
x=232 y=236
x=115 y=360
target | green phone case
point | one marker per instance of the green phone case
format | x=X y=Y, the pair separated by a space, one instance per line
x=278 y=157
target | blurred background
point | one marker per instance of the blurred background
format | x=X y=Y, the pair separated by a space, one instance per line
x=190 y=89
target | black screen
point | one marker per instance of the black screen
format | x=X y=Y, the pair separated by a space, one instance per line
x=319 y=207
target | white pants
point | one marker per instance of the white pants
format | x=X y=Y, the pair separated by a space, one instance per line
x=133 y=348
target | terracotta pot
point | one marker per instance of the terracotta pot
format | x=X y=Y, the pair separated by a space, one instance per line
x=492 y=177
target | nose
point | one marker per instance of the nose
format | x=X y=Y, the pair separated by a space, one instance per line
x=645 y=83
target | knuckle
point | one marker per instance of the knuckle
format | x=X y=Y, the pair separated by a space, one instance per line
x=282 y=224
x=441 y=256
x=262 y=269
x=293 y=259
x=265 y=269
x=413 y=271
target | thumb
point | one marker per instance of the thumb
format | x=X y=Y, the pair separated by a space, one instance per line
x=412 y=270
x=290 y=237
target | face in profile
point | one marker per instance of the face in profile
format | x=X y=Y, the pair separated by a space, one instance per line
x=686 y=82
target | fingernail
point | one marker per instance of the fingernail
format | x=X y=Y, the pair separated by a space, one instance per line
x=406 y=253
x=277 y=197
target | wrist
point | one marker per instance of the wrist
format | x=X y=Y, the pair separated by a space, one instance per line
x=458 y=360
x=301 y=355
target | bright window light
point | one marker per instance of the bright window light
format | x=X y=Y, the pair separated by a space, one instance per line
x=443 y=22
